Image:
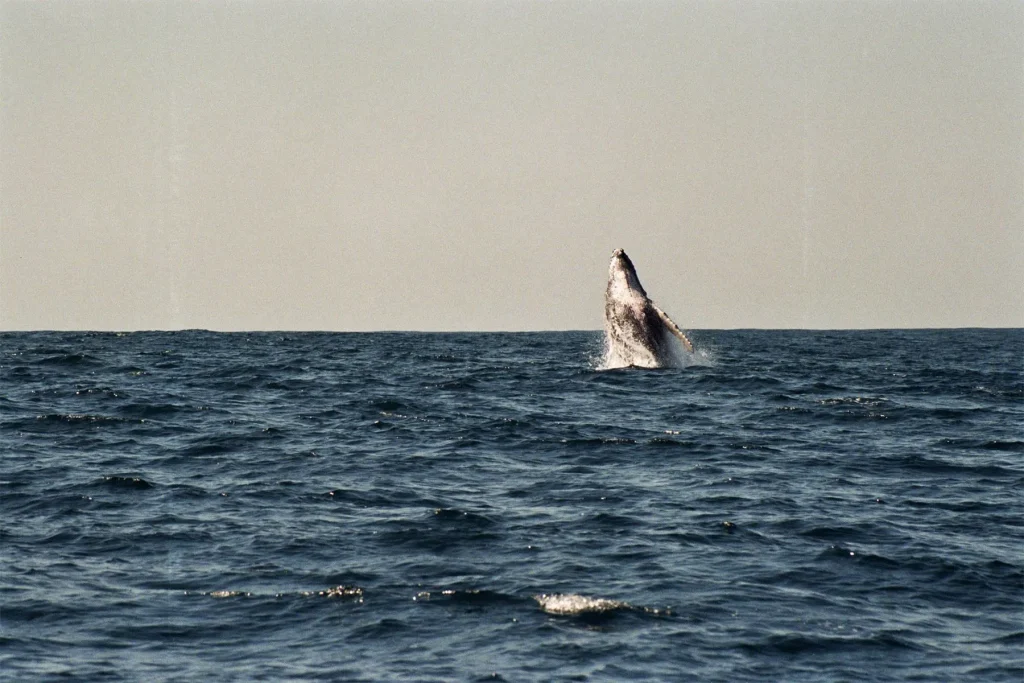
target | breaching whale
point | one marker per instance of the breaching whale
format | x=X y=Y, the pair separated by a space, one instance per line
x=636 y=331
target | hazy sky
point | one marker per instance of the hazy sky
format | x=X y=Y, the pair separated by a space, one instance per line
x=472 y=165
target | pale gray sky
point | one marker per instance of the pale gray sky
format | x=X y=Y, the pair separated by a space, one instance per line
x=472 y=165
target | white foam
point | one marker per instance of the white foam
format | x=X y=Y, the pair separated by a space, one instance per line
x=572 y=604
x=615 y=356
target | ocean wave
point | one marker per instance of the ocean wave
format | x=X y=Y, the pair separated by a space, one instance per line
x=354 y=593
x=69 y=359
x=808 y=643
x=574 y=605
x=126 y=482
x=54 y=422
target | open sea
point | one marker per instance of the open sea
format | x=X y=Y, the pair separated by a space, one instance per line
x=795 y=506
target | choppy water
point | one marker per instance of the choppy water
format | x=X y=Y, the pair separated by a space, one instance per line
x=805 y=506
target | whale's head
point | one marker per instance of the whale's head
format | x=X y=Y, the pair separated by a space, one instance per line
x=622 y=280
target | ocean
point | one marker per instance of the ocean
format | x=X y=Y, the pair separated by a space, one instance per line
x=793 y=506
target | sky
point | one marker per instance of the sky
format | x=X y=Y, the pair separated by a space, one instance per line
x=456 y=165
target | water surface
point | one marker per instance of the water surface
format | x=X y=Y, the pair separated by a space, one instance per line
x=799 y=506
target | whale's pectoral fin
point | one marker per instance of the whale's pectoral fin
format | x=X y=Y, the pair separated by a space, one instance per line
x=673 y=328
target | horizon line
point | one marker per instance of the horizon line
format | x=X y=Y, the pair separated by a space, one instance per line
x=494 y=331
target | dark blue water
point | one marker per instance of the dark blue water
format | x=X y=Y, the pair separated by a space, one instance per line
x=805 y=506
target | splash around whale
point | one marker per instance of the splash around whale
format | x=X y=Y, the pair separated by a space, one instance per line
x=638 y=333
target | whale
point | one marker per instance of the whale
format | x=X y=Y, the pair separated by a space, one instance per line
x=637 y=332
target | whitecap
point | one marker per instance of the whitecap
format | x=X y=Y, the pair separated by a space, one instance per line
x=571 y=604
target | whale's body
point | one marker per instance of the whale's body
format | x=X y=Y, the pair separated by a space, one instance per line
x=637 y=332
